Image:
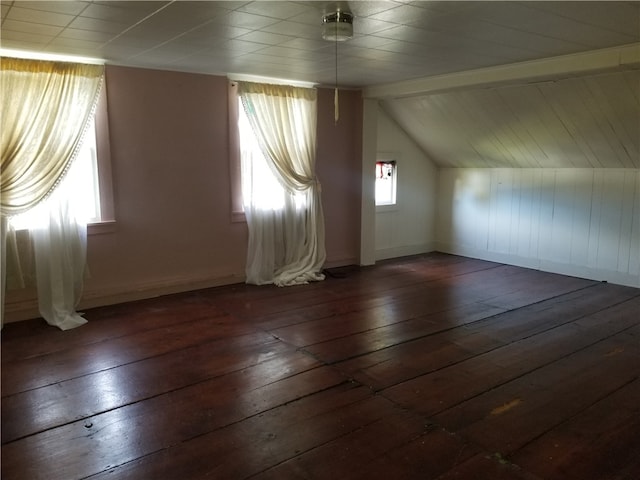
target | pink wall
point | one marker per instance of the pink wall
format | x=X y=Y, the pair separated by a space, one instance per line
x=339 y=168
x=168 y=135
x=169 y=156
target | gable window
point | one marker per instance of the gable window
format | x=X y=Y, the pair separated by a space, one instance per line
x=386 y=180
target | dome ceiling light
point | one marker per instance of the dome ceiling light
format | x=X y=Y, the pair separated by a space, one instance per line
x=337 y=26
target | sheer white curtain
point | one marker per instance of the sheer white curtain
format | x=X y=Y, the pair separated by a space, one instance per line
x=59 y=236
x=45 y=109
x=286 y=229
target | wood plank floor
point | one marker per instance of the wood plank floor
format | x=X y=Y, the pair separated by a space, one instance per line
x=426 y=367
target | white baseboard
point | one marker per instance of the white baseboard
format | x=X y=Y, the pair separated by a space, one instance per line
x=403 y=251
x=581 y=271
x=340 y=260
x=28 y=308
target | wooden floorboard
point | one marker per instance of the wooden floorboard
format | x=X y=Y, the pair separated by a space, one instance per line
x=601 y=441
x=426 y=367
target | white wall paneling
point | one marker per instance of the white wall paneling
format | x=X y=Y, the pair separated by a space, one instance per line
x=576 y=221
x=592 y=121
x=408 y=227
x=370 y=111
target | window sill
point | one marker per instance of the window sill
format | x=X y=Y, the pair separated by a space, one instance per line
x=98 y=228
x=386 y=208
x=238 y=217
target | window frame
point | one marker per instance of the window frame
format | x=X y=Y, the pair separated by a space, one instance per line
x=237 y=214
x=235 y=162
x=107 y=222
x=387 y=206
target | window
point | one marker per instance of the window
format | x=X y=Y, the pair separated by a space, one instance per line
x=81 y=179
x=260 y=186
x=89 y=178
x=241 y=141
x=386 y=182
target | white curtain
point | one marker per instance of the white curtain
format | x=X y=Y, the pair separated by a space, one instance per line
x=3 y=264
x=59 y=238
x=286 y=232
x=46 y=107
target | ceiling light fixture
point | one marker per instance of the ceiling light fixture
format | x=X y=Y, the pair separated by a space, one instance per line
x=337 y=27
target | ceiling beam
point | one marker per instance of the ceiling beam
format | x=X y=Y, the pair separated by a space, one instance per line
x=554 y=68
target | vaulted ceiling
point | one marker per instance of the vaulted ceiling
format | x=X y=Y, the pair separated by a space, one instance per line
x=442 y=69
x=588 y=121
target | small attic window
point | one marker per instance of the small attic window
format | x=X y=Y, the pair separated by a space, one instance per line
x=386 y=182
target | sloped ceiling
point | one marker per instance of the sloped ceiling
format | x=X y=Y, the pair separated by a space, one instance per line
x=590 y=121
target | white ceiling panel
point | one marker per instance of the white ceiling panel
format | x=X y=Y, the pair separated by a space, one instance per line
x=70 y=8
x=116 y=11
x=29 y=27
x=38 y=17
x=274 y=9
x=96 y=25
x=624 y=17
x=394 y=40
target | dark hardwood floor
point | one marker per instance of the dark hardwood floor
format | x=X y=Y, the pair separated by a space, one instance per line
x=428 y=367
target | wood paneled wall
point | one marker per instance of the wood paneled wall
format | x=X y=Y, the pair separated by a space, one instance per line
x=407 y=228
x=583 y=222
x=592 y=121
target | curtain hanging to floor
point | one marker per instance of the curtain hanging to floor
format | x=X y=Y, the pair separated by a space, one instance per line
x=286 y=239
x=45 y=109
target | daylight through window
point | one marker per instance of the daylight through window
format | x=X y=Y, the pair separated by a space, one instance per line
x=260 y=186
x=80 y=184
x=386 y=182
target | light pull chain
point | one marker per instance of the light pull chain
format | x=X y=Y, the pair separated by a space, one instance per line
x=336 y=108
